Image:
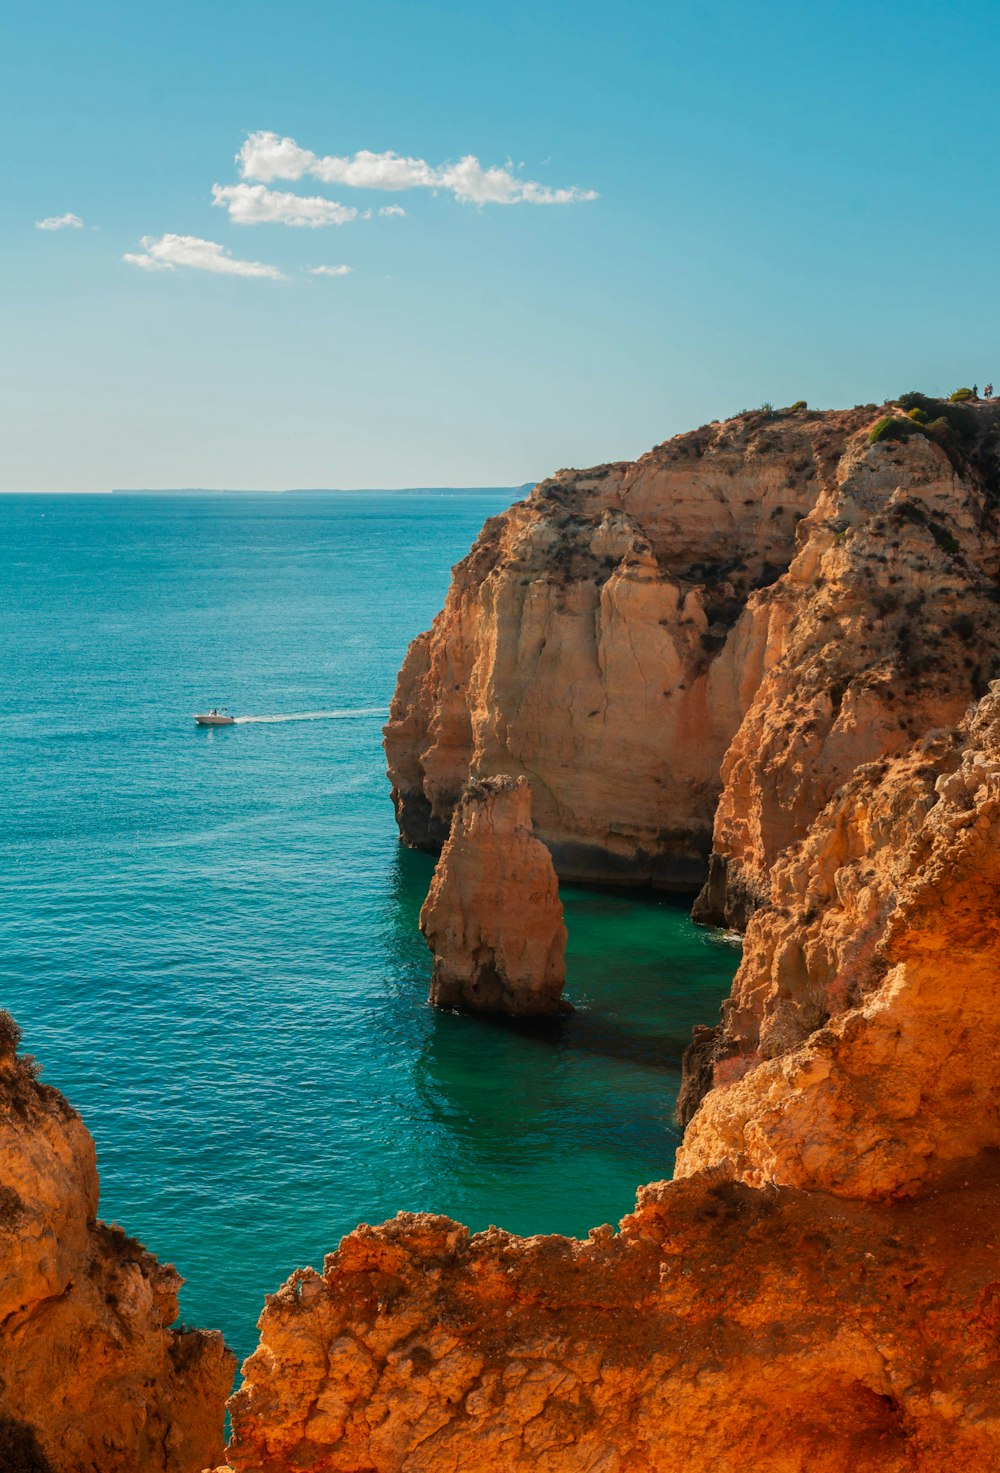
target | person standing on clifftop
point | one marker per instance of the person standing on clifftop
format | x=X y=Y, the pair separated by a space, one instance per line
x=988 y=391
x=975 y=391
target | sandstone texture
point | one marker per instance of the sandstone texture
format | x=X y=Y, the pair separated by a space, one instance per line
x=860 y=1049
x=92 y=1379
x=723 y=1328
x=493 y=918
x=776 y=579
x=596 y=640
x=885 y=626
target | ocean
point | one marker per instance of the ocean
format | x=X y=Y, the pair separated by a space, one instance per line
x=210 y=938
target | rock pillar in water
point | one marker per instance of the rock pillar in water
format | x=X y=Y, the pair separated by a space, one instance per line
x=493 y=917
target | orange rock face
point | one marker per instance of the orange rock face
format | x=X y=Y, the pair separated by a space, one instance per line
x=644 y=641
x=723 y=1328
x=604 y=638
x=493 y=918
x=91 y=1375
x=861 y=1043
x=885 y=627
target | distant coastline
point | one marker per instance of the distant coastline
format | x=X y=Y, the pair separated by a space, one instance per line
x=325 y=491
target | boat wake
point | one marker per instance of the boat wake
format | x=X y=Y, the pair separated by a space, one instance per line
x=314 y=716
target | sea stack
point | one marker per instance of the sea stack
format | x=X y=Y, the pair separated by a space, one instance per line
x=493 y=917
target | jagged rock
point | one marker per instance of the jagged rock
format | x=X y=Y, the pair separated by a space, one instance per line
x=885 y=626
x=493 y=918
x=861 y=1043
x=723 y=1328
x=91 y=1376
x=775 y=579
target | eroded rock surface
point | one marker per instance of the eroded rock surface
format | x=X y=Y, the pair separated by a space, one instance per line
x=774 y=579
x=493 y=918
x=886 y=626
x=861 y=1043
x=597 y=640
x=723 y=1328
x=92 y=1379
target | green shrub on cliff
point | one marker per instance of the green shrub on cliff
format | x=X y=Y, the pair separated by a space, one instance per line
x=919 y=416
x=890 y=427
x=960 y=395
x=915 y=400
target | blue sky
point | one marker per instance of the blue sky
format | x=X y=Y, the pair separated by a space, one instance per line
x=792 y=202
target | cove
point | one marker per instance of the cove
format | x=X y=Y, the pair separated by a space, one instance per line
x=210 y=938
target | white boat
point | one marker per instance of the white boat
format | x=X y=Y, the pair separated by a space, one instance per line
x=216 y=717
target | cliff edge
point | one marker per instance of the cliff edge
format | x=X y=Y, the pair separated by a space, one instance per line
x=721 y=1328
x=686 y=655
x=92 y=1377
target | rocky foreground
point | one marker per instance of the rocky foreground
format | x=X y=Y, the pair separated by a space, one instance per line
x=92 y=1377
x=723 y=1329
x=761 y=660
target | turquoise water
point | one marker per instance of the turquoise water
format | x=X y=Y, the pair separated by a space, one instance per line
x=210 y=938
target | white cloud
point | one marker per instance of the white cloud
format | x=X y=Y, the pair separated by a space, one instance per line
x=171 y=251
x=265 y=156
x=392 y=210
x=329 y=270
x=69 y=221
x=254 y=204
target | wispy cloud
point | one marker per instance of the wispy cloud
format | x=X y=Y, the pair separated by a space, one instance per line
x=69 y=221
x=266 y=156
x=168 y=252
x=254 y=204
x=329 y=270
x=392 y=210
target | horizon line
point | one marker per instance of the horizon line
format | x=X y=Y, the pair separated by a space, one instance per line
x=279 y=491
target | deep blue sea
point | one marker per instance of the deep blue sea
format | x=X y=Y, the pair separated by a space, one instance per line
x=210 y=937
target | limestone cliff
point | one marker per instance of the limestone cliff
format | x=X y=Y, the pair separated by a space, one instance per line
x=885 y=626
x=493 y=917
x=861 y=1044
x=592 y=642
x=771 y=594
x=92 y=1379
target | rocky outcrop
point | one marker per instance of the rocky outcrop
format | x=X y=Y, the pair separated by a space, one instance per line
x=92 y=1379
x=860 y=1049
x=885 y=626
x=493 y=918
x=712 y=637
x=722 y=1328
x=594 y=640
